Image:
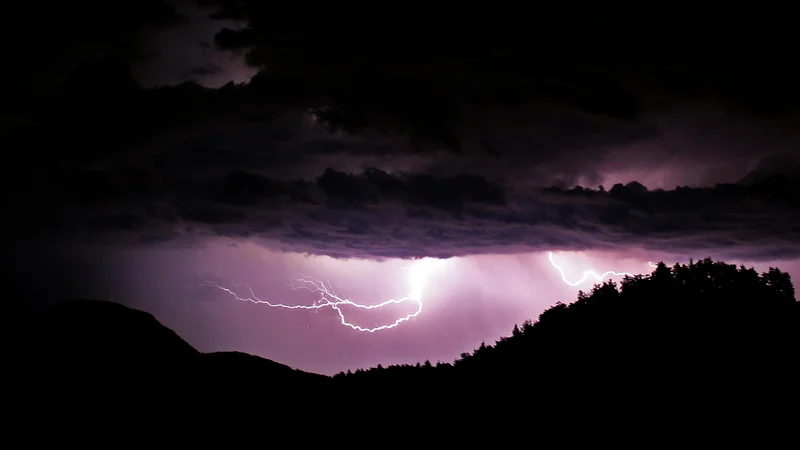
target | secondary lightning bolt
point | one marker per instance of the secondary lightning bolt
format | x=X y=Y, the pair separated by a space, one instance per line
x=586 y=274
x=328 y=298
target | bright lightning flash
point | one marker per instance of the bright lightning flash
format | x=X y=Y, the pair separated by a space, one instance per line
x=589 y=273
x=418 y=272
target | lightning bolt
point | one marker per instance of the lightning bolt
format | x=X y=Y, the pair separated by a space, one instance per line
x=588 y=273
x=328 y=298
x=418 y=271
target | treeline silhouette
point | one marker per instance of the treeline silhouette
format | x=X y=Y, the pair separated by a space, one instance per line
x=706 y=340
x=701 y=325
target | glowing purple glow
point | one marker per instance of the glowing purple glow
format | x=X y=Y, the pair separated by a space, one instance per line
x=419 y=271
x=466 y=300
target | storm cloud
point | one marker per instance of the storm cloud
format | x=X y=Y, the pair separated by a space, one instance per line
x=377 y=214
x=356 y=138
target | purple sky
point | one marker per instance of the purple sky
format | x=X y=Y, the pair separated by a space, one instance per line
x=466 y=300
x=386 y=150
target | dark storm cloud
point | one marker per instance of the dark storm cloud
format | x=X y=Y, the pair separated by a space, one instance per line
x=66 y=63
x=596 y=59
x=528 y=86
x=42 y=43
x=439 y=139
x=560 y=92
x=376 y=214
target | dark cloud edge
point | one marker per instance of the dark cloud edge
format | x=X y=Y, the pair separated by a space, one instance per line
x=317 y=219
x=378 y=215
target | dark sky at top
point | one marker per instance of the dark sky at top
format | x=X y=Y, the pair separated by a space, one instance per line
x=397 y=130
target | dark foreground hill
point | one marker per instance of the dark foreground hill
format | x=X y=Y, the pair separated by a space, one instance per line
x=92 y=344
x=683 y=340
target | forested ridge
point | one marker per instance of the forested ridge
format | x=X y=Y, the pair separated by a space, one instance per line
x=689 y=323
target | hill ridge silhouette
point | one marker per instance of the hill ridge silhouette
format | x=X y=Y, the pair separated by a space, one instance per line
x=704 y=333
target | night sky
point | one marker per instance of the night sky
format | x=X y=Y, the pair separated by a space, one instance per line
x=155 y=153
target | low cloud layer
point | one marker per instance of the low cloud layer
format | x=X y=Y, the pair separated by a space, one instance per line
x=375 y=214
x=355 y=138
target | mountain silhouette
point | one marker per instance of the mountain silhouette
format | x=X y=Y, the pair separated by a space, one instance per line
x=94 y=346
x=704 y=335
